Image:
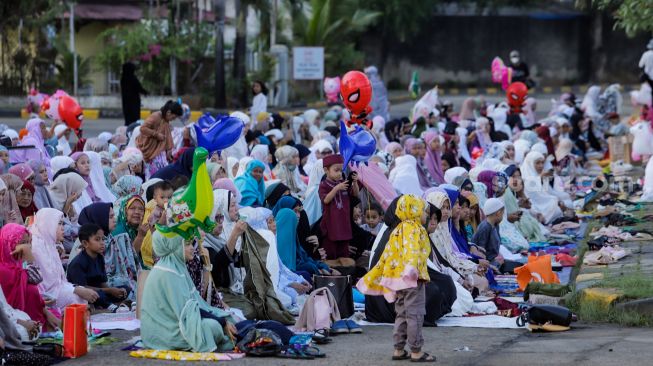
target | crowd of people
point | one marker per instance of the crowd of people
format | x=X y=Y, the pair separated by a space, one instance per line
x=448 y=201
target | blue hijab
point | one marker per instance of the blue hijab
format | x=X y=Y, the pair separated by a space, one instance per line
x=251 y=190
x=458 y=238
x=285 y=202
x=286 y=220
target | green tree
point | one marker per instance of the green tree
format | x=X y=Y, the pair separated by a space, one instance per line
x=633 y=16
x=335 y=25
x=64 y=65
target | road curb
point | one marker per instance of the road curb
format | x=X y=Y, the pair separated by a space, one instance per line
x=94 y=114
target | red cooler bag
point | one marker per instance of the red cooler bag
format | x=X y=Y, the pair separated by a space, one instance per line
x=75 y=341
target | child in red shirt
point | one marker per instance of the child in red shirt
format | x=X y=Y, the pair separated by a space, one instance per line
x=334 y=193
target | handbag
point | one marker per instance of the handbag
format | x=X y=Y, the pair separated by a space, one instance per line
x=75 y=341
x=322 y=309
x=341 y=289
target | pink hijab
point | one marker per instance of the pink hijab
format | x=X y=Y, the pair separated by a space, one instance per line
x=9 y=204
x=22 y=170
x=35 y=138
x=228 y=184
x=433 y=160
x=12 y=276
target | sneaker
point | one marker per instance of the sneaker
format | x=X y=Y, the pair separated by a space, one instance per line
x=339 y=327
x=353 y=327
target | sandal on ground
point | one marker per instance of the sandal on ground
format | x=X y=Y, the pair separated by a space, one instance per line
x=321 y=336
x=425 y=358
x=403 y=356
x=313 y=352
x=291 y=352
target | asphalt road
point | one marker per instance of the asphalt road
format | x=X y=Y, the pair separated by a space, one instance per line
x=584 y=344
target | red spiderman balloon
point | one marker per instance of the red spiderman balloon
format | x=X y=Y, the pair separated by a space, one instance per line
x=516 y=93
x=356 y=93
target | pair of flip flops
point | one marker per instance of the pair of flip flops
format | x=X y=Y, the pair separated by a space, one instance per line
x=406 y=356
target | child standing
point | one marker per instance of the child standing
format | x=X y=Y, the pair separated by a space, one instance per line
x=401 y=275
x=87 y=269
x=334 y=193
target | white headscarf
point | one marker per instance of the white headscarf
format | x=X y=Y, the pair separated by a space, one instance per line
x=242 y=165
x=239 y=149
x=63 y=146
x=147 y=184
x=97 y=178
x=296 y=124
x=522 y=147
x=312 y=203
x=454 y=172
x=60 y=162
x=403 y=176
x=217 y=243
x=542 y=201
x=261 y=152
x=463 y=152
x=285 y=171
x=231 y=162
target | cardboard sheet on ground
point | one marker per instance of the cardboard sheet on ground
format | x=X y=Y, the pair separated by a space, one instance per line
x=485 y=321
x=111 y=321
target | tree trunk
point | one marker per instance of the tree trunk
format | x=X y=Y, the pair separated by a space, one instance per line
x=220 y=95
x=240 y=52
x=598 y=57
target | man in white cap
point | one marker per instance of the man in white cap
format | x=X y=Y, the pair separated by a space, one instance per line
x=487 y=235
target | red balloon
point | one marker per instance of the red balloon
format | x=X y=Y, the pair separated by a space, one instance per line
x=70 y=112
x=356 y=93
x=516 y=93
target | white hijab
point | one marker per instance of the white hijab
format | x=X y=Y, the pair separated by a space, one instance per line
x=312 y=203
x=463 y=152
x=542 y=200
x=97 y=178
x=453 y=173
x=242 y=165
x=404 y=176
x=261 y=152
x=63 y=146
x=221 y=205
x=60 y=162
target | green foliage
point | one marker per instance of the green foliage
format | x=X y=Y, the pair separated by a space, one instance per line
x=152 y=43
x=633 y=16
x=335 y=25
x=268 y=63
x=593 y=311
x=401 y=21
x=65 y=68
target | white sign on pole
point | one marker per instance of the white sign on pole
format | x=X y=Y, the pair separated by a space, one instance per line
x=308 y=63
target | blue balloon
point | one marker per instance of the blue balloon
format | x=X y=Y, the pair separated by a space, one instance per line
x=206 y=120
x=356 y=146
x=217 y=135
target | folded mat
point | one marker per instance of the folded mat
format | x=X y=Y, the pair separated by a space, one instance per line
x=185 y=356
